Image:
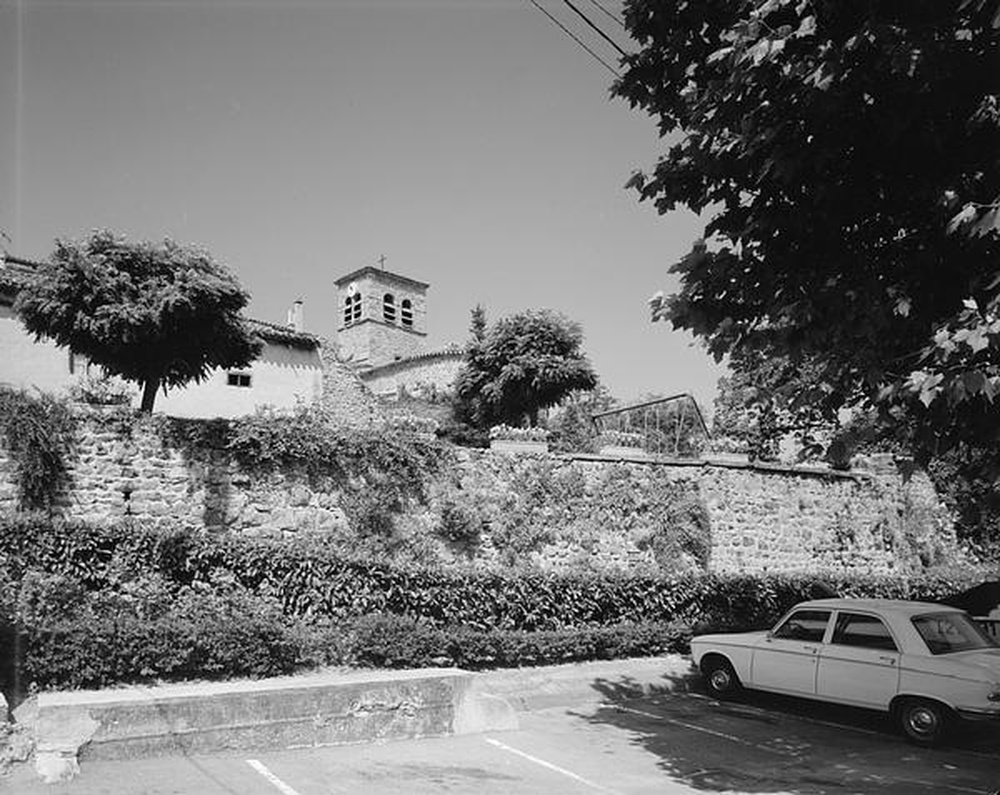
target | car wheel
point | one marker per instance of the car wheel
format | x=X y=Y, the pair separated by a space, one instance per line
x=720 y=677
x=924 y=722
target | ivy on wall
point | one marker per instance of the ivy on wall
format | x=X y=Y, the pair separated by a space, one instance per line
x=542 y=501
x=37 y=432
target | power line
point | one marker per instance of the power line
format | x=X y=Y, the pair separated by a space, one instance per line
x=600 y=32
x=610 y=14
x=575 y=38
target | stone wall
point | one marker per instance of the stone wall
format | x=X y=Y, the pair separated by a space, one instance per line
x=344 y=395
x=759 y=518
x=428 y=376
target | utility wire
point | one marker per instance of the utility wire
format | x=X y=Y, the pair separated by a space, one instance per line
x=610 y=14
x=600 y=32
x=575 y=38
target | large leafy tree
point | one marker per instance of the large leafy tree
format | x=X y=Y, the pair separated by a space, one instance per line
x=520 y=365
x=158 y=314
x=847 y=158
x=766 y=399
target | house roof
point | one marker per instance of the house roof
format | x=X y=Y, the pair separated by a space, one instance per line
x=14 y=269
x=272 y=332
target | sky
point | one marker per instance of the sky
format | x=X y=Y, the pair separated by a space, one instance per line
x=472 y=143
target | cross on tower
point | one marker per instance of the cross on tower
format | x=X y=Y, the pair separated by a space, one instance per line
x=381 y=261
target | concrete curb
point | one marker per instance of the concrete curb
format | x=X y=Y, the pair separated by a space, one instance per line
x=311 y=710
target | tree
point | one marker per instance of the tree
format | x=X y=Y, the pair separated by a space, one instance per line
x=765 y=400
x=846 y=157
x=522 y=364
x=572 y=425
x=160 y=315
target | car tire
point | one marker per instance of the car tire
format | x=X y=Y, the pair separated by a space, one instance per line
x=720 y=678
x=922 y=721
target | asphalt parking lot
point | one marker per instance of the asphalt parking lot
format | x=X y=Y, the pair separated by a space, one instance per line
x=679 y=741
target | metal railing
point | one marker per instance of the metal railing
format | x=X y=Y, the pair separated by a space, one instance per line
x=669 y=425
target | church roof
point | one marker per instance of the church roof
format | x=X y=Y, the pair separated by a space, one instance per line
x=371 y=270
x=451 y=351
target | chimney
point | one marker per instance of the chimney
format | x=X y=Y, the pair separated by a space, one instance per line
x=295 y=321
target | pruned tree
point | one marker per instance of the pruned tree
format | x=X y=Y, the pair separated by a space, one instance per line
x=522 y=364
x=845 y=155
x=157 y=314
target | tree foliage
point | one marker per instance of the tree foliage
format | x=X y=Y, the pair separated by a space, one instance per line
x=846 y=157
x=157 y=314
x=572 y=425
x=520 y=365
x=765 y=400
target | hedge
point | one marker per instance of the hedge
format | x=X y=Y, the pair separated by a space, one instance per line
x=308 y=580
x=99 y=605
x=387 y=640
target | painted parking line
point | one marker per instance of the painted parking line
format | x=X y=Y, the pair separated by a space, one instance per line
x=741 y=741
x=702 y=729
x=563 y=771
x=280 y=785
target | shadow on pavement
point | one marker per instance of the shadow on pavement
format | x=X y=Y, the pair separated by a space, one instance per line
x=749 y=745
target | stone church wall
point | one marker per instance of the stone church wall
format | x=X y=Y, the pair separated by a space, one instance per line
x=427 y=376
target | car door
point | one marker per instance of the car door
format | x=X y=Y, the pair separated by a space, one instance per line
x=785 y=660
x=860 y=664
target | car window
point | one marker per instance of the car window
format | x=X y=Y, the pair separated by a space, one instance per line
x=867 y=632
x=945 y=633
x=804 y=625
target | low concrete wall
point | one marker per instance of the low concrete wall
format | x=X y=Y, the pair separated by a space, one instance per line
x=305 y=711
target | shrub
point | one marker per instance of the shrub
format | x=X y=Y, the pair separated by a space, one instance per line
x=511 y=433
x=97 y=388
x=461 y=523
x=621 y=439
x=463 y=434
x=112 y=640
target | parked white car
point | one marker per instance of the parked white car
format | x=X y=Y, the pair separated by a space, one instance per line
x=923 y=663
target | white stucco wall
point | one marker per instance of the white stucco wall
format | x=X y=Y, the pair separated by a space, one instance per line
x=26 y=364
x=283 y=376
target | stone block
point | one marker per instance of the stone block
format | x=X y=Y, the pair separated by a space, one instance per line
x=299 y=496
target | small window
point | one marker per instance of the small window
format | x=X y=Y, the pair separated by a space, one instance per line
x=238 y=379
x=867 y=632
x=352 y=309
x=807 y=625
x=406 y=313
x=389 y=308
